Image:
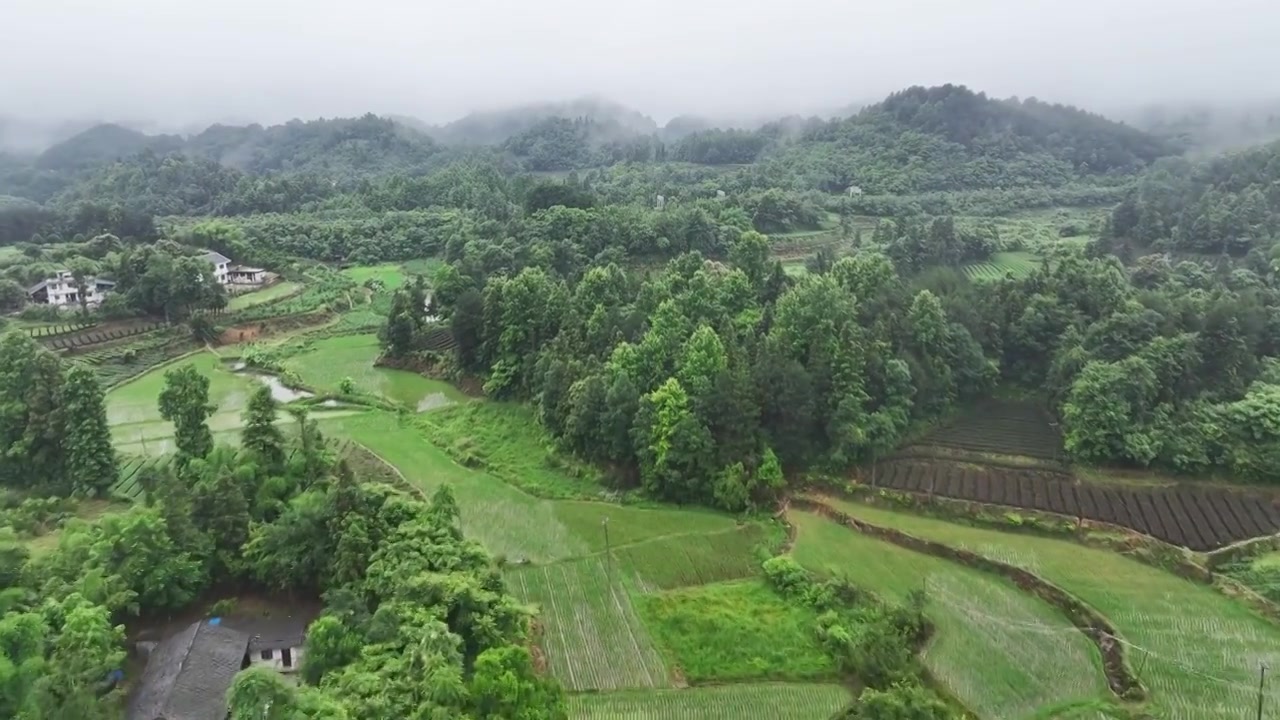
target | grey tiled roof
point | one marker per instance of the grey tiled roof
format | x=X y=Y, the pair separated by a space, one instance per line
x=188 y=675
x=216 y=257
x=271 y=633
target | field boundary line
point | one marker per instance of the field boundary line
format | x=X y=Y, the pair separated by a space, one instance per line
x=555 y=611
x=1120 y=678
x=413 y=487
x=631 y=633
x=645 y=541
x=157 y=366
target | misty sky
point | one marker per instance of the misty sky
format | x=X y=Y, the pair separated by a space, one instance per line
x=181 y=61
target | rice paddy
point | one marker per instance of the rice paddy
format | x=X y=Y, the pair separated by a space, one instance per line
x=1196 y=650
x=326 y=362
x=134 y=414
x=757 y=701
x=1032 y=657
x=391 y=275
x=591 y=634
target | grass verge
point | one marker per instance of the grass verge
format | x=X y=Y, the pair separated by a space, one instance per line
x=735 y=631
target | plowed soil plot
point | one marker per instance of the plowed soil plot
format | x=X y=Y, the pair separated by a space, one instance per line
x=1002 y=427
x=1200 y=518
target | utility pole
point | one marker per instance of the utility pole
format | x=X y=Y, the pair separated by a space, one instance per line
x=1262 y=679
x=608 y=555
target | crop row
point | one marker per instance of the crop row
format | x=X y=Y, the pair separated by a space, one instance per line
x=48 y=331
x=439 y=339
x=765 y=701
x=85 y=339
x=129 y=487
x=115 y=367
x=1200 y=518
x=682 y=561
x=1004 y=427
x=591 y=634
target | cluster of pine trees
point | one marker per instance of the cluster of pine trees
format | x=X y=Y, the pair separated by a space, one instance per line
x=707 y=381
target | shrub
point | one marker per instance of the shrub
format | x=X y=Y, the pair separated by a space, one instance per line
x=786 y=576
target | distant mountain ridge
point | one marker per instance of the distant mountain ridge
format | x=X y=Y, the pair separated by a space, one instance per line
x=497 y=126
x=943 y=138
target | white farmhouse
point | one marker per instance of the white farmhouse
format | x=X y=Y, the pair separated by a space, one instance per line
x=221 y=264
x=62 y=290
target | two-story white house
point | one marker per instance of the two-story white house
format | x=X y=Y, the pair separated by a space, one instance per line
x=62 y=290
x=221 y=265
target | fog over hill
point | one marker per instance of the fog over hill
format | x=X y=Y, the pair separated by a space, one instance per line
x=175 y=65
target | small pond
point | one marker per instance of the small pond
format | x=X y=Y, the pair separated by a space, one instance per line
x=279 y=391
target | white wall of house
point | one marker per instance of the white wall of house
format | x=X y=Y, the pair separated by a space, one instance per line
x=220 y=272
x=274 y=659
x=62 y=290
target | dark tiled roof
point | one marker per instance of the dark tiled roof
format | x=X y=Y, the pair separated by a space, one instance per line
x=270 y=633
x=188 y=675
x=216 y=257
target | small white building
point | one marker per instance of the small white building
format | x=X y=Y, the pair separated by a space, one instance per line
x=245 y=275
x=285 y=659
x=62 y=290
x=221 y=265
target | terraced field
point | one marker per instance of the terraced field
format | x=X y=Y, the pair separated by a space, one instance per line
x=1000 y=427
x=1031 y=656
x=1001 y=264
x=134 y=414
x=326 y=362
x=1196 y=650
x=265 y=295
x=131 y=468
x=391 y=275
x=1197 y=517
x=759 y=701
x=682 y=560
x=591 y=634
x=507 y=521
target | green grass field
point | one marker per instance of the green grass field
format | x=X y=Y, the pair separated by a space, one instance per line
x=795 y=268
x=508 y=441
x=731 y=632
x=327 y=361
x=591 y=634
x=506 y=520
x=391 y=274
x=683 y=560
x=757 y=701
x=1195 y=649
x=426 y=267
x=1032 y=657
x=1017 y=263
x=265 y=295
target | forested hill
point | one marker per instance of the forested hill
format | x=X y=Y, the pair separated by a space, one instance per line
x=920 y=141
x=950 y=138
x=1230 y=204
x=102 y=144
x=344 y=146
x=611 y=120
